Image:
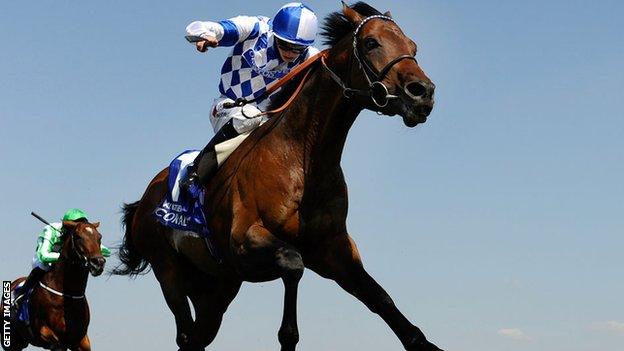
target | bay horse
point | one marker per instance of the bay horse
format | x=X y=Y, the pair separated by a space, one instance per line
x=59 y=312
x=278 y=205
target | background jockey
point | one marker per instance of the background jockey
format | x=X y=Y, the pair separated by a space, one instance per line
x=264 y=51
x=49 y=245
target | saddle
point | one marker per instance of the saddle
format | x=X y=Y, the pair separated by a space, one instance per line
x=182 y=208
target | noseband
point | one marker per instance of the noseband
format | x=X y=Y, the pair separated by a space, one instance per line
x=377 y=90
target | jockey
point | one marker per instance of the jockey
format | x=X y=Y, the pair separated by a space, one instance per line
x=265 y=50
x=49 y=245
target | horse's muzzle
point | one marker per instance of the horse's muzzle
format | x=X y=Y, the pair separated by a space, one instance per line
x=419 y=90
x=96 y=265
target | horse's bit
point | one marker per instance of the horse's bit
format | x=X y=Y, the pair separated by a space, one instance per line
x=377 y=90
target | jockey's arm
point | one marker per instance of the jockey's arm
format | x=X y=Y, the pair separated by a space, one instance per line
x=228 y=32
x=47 y=239
x=105 y=251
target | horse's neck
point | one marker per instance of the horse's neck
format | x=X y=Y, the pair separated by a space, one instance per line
x=319 y=122
x=67 y=277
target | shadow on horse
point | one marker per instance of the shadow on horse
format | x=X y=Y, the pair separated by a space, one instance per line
x=58 y=308
x=278 y=205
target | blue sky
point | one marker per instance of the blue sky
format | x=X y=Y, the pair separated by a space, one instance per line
x=497 y=225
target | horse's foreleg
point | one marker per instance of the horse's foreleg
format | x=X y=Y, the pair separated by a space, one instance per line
x=48 y=336
x=291 y=264
x=339 y=260
x=266 y=255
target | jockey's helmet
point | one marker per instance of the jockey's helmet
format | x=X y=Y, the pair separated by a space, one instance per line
x=74 y=214
x=295 y=23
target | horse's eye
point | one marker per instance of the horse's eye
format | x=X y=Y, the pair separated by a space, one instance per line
x=370 y=44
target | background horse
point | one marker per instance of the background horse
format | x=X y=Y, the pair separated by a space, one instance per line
x=279 y=203
x=59 y=312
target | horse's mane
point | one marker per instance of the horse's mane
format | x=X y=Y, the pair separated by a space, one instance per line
x=336 y=26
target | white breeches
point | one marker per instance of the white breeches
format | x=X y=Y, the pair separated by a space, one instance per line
x=244 y=117
x=37 y=263
x=243 y=121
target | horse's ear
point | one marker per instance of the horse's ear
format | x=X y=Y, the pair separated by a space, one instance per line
x=71 y=225
x=388 y=14
x=96 y=224
x=352 y=15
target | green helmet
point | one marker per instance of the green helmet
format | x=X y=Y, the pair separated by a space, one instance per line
x=74 y=214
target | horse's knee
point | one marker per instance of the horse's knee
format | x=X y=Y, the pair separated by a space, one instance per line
x=291 y=264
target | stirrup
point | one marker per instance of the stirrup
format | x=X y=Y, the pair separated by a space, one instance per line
x=18 y=299
x=189 y=180
x=16 y=304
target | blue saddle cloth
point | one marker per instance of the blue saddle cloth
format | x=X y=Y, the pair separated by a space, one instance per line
x=182 y=209
x=23 y=314
x=24 y=311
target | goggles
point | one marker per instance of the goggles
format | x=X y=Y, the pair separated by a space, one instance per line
x=286 y=46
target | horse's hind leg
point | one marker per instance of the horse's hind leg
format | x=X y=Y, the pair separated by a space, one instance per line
x=210 y=304
x=175 y=286
x=339 y=260
x=50 y=337
x=266 y=257
x=84 y=345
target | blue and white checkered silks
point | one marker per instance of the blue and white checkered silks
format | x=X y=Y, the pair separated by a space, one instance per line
x=254 y=62
x=295 y=23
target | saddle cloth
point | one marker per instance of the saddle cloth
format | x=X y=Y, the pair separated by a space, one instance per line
x=23 y=314
x=181 y=209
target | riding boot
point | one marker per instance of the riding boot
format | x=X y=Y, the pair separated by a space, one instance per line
x=205 y=164
x=33 y=278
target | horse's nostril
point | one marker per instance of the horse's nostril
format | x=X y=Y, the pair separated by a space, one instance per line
x=98 y=261
x=415 y=89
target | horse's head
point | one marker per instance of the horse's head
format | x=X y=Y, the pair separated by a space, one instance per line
x=83 y=243
x=383 y=74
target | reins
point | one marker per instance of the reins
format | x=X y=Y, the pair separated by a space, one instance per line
x=308 y=65
x=377 y=90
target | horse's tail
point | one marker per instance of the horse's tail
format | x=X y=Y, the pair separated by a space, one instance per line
x=132 y=263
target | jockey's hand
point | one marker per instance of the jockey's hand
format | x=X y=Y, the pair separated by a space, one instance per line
x=203 y=45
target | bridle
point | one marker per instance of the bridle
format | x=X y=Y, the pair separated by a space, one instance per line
x=80 y=257
x=377 y=90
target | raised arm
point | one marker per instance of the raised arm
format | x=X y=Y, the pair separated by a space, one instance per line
x=228 y=32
